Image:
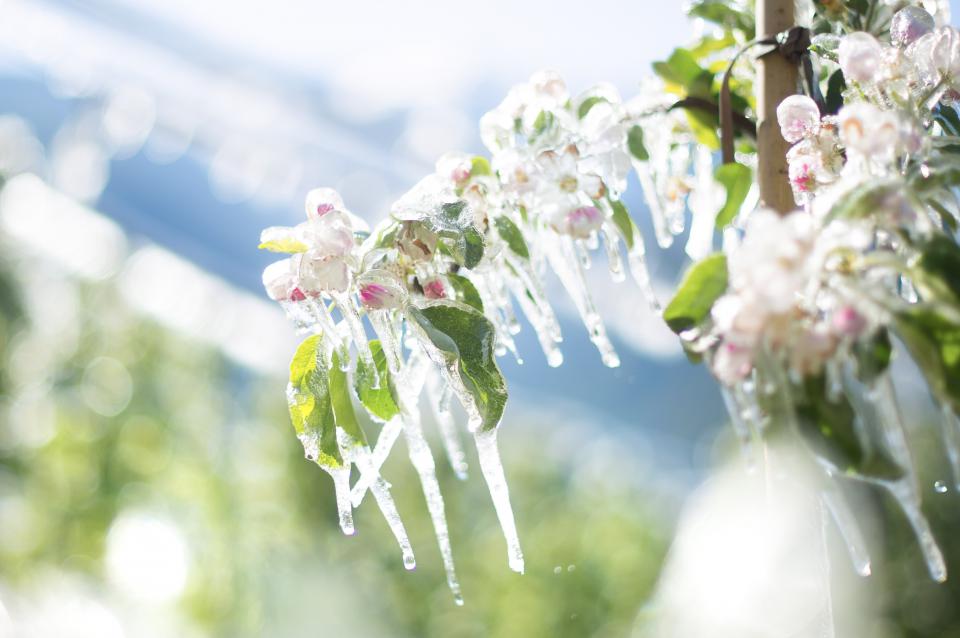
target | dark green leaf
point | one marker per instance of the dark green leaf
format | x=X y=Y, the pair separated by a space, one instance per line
x=635 y=144
x=736 y=180
x=827 y=425
x=836 y=85
x=466 y=291
x=682 y=69
x=939 y=265
x=453 y=210
x=511 y=234
x=702 y=285
x=466 y=339
x=342 y=400
x=379 y=402
x=310 y=404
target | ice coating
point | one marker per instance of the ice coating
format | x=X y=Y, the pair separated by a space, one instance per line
x=492 y=470
x=846 y=522
x=439 y=397
x=341 y=485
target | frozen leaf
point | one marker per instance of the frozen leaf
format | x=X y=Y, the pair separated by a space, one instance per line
x=623 y=222
x=736 y=180
x=703 y=284
x=310 y=404
x=466 y=340
x=465 y=290
x=511 y=234
x=635 y=144
x=378 y=401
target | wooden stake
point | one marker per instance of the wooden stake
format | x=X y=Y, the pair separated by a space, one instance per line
x=777 y=78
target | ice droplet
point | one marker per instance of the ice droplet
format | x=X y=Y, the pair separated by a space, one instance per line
x=341 y=485
x=940 y=487
x=492 y=470
x=557 y=570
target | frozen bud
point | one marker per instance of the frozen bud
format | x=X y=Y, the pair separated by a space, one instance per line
x=799 y=117
x=434 y=289
x=378 y=297
x=323 y=274
x=860 y=57
x=321 y=201
x=847 y=322
x=279 y=283
x=909 y=25
x=802 y=170
x=455 y=166
x=331 y=234
x=581 y=222
x=549 y=84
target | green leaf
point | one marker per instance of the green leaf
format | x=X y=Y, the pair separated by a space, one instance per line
x=379 y=402
x=681 y=68
x=466 y=291
x=723 y=13
x=704 y=126
x=480 y=166
x=827 y=425
x=466 y=340
x=452 y=210
x=623 y=222
x=934 y=343
x=836 y=85
x=736 y=180
x=284 y=245
x=543 y=123
x=702 y=285
x=873 y=356
x=511 y=234
x=468 y=248
x=939 y=265
x=588 y=104
x=341 y=398
x=635 y=144
x=310 y=404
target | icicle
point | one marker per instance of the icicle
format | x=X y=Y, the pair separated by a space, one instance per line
x=652 y=197
x=740 y=427
x=351 y=316
x=902 y=492
x=951 y=440
x=704 y=202
x=637 y=259
x=341 y=485
x=492 y=470
x=614 y=257
x=328 y=326
x=497 y=309
x=361 y=456
x=387 y=331
x=440 y=395
x=422 y=460
x=388 y=436
x=531 y=289
x=583 y=253
x=827 y=628
x=561 y=254
x=884 y=398
x=846 y=522
x=543 y=322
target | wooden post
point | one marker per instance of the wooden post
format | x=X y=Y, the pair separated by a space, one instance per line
x=776 y=79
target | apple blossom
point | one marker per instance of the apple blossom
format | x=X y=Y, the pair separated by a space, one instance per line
x=860 y=57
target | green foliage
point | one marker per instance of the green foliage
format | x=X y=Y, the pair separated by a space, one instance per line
x=933 y=340
x=466 y=340
x=461 y=239
x=480 y=166
x=938 y=270
x=724 y=14
x=836 y=85
x=873 y=356
x=827 y=425
x=736 y=180
x=623 y=222
x=341 y=399
x=682 y=71
x=511 y=234
x=588 y=104
x=466 y=292
x=702 y=285
x=287 y=245
x=378 y=402
x=635 y=143
x=310 y=403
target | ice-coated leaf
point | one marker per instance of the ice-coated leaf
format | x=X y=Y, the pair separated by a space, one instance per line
x=341 y=398
x=827 y=425
x=702 y=285
x=873 y=356
x=466 y=291
x=467 y=249
x=310 y=404
x=635 y=144
x=466 y=339
x=511 y=234
x=865 y=199
x=835 y=88
x=379 y=402
x=939 y=268
x=588 y=104
x=934 y=343
x=281 y=239
x=621 y=218
x=736 y=180
x=480 y=166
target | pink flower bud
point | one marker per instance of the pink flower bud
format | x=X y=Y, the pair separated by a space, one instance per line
x=321 y=201
x=909 y=25
x=434 y=289
x=581 y=222
x=378 y=297
x=297 y=295
x=848 y=322
x=799 y=117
